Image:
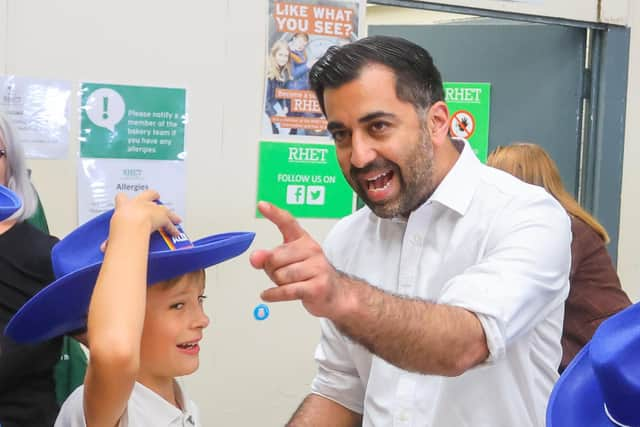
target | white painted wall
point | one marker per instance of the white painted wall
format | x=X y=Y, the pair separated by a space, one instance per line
x=629 y=242
x=615 y=12
x=389 y=15
x=579 y=10
x=3 y=33
x=252 y=373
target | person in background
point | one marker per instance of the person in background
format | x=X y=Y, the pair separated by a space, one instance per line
x=278 y=74
x=27 y=387
x=9 y=204
x=595 y=291
x=450 y=283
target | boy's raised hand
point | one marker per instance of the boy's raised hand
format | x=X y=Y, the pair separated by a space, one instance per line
x=144 y=210
x=298 y=267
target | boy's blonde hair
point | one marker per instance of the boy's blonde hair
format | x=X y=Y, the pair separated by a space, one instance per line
x=166 y=284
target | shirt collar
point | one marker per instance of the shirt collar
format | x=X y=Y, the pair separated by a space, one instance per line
x=164 y=412
x=458 y=186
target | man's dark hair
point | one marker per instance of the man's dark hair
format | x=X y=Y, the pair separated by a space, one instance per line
x=418 y=80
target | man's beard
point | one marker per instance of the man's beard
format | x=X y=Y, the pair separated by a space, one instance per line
x=416 y=180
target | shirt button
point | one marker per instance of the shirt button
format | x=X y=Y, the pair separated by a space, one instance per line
x=402 y=418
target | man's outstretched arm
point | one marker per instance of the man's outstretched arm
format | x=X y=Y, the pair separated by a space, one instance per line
x=414 y=335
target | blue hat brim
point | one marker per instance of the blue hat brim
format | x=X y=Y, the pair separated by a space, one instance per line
x=9 y=203
x=62 y=306
x=576 y=399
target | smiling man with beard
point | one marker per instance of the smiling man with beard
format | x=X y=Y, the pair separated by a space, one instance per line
x=448 y=286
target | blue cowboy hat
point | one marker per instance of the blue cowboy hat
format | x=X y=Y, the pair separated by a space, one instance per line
x=62 y=306
x=9 y=202
x=601 y=386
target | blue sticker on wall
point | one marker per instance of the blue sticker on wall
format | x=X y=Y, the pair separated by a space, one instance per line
x=261 y=312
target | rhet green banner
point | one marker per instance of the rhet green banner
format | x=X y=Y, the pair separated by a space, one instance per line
x=305 y=179
x=469 y=105
x=132 y=122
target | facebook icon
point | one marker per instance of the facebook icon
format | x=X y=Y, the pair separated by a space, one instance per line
x=295 y=194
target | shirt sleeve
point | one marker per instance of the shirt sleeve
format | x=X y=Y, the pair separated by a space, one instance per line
x=72 y=412
x=337 y=378
x=523 y=274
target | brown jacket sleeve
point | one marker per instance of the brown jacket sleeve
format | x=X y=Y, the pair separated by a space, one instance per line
x=595 y=292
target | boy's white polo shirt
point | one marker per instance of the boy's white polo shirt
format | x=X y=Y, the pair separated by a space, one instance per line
x=145 y=409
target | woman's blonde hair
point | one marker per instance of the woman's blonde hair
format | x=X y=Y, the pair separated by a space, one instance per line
x=274 y=71
x=532 y=164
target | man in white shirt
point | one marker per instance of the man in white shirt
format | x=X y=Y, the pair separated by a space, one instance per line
x=442 y=300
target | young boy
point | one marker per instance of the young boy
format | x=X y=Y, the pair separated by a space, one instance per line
x=140 y=338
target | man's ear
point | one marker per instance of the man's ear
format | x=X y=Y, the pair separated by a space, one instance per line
x=438 y=121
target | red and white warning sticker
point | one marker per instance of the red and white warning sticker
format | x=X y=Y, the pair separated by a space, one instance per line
x=462 y=124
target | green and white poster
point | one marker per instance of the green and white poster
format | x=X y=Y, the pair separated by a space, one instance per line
x=132 y=122
x=132 y=138
x=469 y=105
x=305 y=179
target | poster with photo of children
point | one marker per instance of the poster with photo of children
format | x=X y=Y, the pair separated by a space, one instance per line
x=299 y=33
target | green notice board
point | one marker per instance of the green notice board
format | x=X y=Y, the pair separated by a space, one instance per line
x=469 y=105
x=305 y=179
x=132 y=122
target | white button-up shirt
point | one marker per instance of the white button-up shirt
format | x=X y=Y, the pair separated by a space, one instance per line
x=145 y=408
x=488 y=243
